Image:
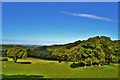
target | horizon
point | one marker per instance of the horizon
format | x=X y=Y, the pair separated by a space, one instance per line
x=36 y=43
x=56 y=23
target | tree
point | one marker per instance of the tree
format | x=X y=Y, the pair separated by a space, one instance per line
x=17 y=53
x=60 y=53
x=100 y=55
x=106 y=43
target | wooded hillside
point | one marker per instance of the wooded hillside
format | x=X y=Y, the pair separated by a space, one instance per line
x=96 y=50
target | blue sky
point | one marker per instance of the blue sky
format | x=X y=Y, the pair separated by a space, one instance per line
x=56 y=23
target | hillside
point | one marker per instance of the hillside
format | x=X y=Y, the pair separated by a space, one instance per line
x=99 y=49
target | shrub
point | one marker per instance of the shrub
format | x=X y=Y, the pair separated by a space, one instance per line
x=74 y=65
x=82 y=63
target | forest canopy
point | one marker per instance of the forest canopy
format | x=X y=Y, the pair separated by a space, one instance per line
x=99 y=50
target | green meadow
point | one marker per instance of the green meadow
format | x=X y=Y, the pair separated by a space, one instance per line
x=59 y=40
x=54 y=69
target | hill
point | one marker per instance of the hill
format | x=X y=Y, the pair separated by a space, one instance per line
x=96 y=50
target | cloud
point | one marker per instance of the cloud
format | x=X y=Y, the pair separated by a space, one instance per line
x=87 y=16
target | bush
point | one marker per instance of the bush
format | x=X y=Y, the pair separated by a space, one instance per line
x=82 y=63
x=74 y=65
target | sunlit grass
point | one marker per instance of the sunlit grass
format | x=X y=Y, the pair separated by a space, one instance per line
x=53 y=69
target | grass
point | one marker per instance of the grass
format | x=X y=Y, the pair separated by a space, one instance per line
x=53 y=69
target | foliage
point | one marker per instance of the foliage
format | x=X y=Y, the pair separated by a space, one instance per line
x=74 y=65
x=94 y=51
x=17 y=53
x=41 y=52
x=100 y=49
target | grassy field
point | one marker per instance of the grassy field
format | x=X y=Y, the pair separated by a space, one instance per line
x=53 y=69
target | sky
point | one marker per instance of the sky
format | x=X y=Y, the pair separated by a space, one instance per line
x=57 y=22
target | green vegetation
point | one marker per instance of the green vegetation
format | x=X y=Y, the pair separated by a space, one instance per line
x=96 y=57
x=99 y=50
x=53 y=69
x=17 y=53
x=94 y=51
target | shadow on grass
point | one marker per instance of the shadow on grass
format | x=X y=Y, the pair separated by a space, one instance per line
x=24 y=62
x=21 y=77
x=77 y=65
x=36 y=77
x=74 y=65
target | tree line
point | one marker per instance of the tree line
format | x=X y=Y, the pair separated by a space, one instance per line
x=99 y=50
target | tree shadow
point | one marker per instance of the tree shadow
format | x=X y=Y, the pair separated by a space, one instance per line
x=21 y=77
x=74 y=65
x=24 y=62
x=77 y=65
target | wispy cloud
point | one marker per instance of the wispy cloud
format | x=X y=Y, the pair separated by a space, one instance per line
x=87 y=16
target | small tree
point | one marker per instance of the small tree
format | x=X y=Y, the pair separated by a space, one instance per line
x=17 y=53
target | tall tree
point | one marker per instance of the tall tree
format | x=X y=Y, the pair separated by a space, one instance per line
x=17 y=53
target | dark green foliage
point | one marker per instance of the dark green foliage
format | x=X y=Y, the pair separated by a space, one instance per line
x=94 y=51
x=98 y=50
x=74 y=65
x=21 y=77
x=41 y=52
